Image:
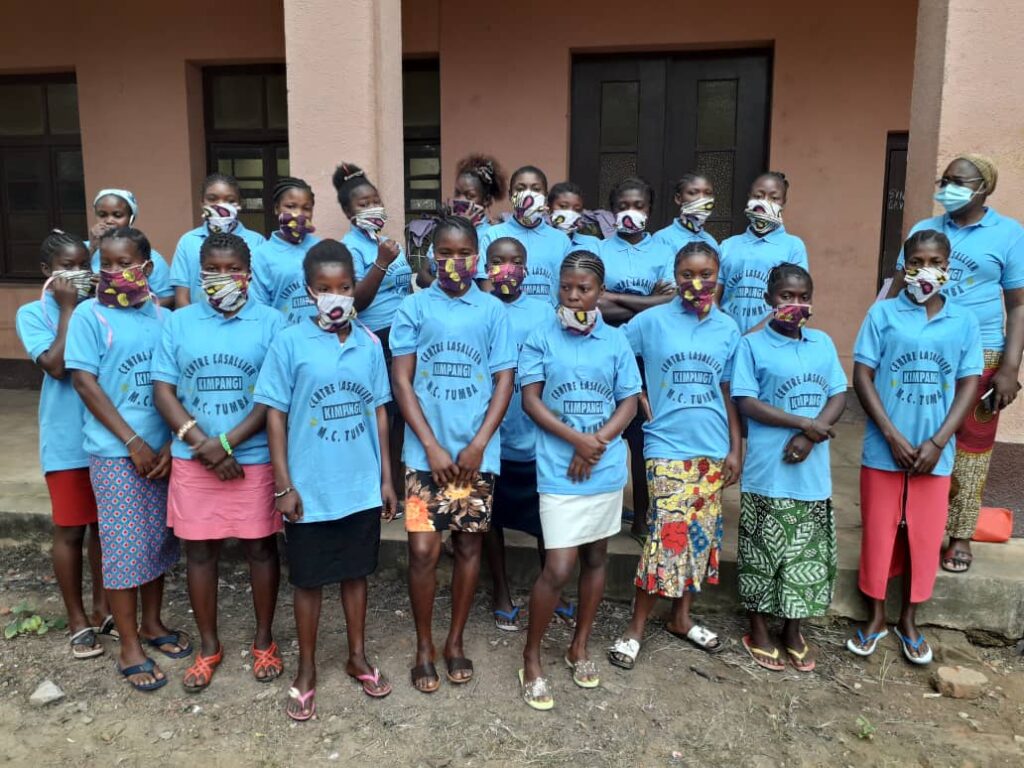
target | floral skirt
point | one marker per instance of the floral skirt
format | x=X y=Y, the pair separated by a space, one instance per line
x=787 y=556
x=430 y=509
x=684 y=525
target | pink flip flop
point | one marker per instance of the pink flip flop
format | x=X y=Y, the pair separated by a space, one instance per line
x=369 y=682
x=302 y=699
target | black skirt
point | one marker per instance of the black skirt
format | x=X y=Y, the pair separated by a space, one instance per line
x=332 y=551
x=516 y=503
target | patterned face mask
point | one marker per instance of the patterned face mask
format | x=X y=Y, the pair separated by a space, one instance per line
x=566 y=219
x=294 y=227
x=121 y=288
x=226 y=292
x=82 y=279
x=467 y=209
x=925 y=282
x=792 y=317
x=507 y=278
x=764 y=215
x=333 y=311
x=456 y=272
x=693 y=214
x=371 y=220
x=630 y=222
x=528 y=207
x=698 y=296
x=577 y=321
x=221 y=217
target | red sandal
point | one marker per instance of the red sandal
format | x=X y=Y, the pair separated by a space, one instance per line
x=202 y=670
x=267 y=661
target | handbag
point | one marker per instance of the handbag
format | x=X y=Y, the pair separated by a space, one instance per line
x=995 y=525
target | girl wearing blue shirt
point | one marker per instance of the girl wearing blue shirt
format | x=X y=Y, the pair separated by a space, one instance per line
x=747 y=258
x=788 y=382
x=917 y=360
x=580 y=386
x=277 y=279
x=453 y=374
x=693 y=448
x=111 y=340
x=42 y=327
x=986 y=276
x=546 y=246
x=326 y=385
x=696 y=200
x=222 y=202
x=222 y=484
x=566 y=213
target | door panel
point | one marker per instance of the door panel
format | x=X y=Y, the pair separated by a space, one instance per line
x=892 y=204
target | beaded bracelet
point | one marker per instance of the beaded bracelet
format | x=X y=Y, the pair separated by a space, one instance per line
x=225 y=444
x=184 y=428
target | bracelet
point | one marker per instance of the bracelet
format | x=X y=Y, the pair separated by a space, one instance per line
x=378 y=266
x=225 y=444
x=184 y=429
x=285 y=492
x=130 y=440
x=932 y=441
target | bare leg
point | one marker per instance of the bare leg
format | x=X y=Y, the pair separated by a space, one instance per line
x=465 y=577
x=265 y=579
x=424 y=552
x=494 y=548
x=67 y=567
x=643 y=604
x=202 y=569
x=558 y=569
x=307 y=621
x=593 y=570
x=100 y=606
x=124 y=607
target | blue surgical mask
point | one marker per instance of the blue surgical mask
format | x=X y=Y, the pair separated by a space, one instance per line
x=953 y=197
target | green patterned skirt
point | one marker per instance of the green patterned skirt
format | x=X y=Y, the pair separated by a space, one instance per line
x=787 y=556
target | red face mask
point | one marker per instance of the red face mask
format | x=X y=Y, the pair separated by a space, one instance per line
x=698 y=296
x=791 y=317
x=507 y=278
x=121 y=288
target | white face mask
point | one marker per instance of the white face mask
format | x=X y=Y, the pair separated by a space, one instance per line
x=83 y=279
x=566 y=220
x=693 y=214
x=221 y=217
x=925 y=282
x=630 y=222
x=371 y=220
x=578 y=321
x=764 y=215
x=528 y=207
x=333 y=311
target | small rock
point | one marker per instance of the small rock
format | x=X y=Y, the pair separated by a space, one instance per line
x=87 y=719
x=959 y=682
x=1018 y=739
x=167 y=735
x=333 y=756
x=45 y=693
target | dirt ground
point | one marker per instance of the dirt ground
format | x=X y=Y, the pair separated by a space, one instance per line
x=679 y=707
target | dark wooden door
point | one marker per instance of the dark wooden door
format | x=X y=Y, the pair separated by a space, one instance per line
x=892 y=204
x=663 y=115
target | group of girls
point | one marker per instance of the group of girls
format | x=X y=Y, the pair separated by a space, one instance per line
x=531 y=356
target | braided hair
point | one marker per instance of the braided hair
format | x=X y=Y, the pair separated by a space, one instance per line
x=135 y=236
x=527 y=169
x=695 y=247
x=586 y=261
x=926 y=237
x=485 y=170
x=782 y=272
x=56 y=241
x=225 y=241
x=347 y=178
x=458 y=224
x=634 y=183
x=779 y=176
x=327 y=251
x=290 y=182
x=220 y=178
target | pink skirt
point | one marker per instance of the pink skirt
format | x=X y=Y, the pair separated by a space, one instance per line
x=201 y=507
x=886 y=498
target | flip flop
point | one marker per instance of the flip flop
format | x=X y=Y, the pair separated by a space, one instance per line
x=302 y=699
x=870 y=641
x=202 y=670
x=86 y=638
x=422 y=672
x=145 y=667
x=797 y=657
x=907 y=644
x=567 y=613
x=623 y=654
x=459 y=664
x=534 y=691
x=267 y=660
x=583 y=669
x=701 y=637
x=108 y=628
x=371 y=684
x=173 y=637
x=507 y=621
x=762 y=658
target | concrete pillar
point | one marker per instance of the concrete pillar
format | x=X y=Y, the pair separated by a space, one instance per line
x=967 y=97
x=345 y=100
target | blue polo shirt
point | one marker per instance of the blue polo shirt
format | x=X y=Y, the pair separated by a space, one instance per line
x=159 y=279
x=580 y=242
x=797 y=376
x=213 y=362
x=185 y=266
x=518 y=432
x=545 y=246
x=482 y=227
x=676 y=237
x=61 y=411
x=278 y=280
x=685 y=362
x=459 y=343
x=746 y=261
x=117 y=346
x=331 y=392
x=987 y=259
x=917 y=362
x=395 y=286
x=584 y=377
x=636 y=268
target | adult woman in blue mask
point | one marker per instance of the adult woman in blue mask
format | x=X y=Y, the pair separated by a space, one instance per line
x=986 y=270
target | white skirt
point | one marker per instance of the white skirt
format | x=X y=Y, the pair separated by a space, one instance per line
x=569 y=521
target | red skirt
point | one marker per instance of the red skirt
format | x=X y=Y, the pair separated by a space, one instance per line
x=71 y=498
x=886 y=498
x=201 y=507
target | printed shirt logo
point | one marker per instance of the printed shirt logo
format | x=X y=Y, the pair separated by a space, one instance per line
x=583 y=404
x=745 y=292
x=137 y=382
x=295 y=303
x=691 y=379
x=340 y=411
x=451 y=371
x=920 y=377
x=804 y=394
x=218 y=384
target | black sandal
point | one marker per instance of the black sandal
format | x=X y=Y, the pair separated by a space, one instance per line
x=423 y=672
x=957 y=561
x=459 y=664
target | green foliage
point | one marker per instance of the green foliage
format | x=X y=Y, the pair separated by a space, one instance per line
x=25 y=621
x=865 y=730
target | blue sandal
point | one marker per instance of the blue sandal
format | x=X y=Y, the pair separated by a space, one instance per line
x=908 y=645
x=145 y=668
x=171 y=638
x=567 y=614
x=865 y=645
x=507 y=621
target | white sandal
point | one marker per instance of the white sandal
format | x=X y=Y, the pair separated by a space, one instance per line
x=534 y=691
x=702 y=637
x=624 y=652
